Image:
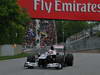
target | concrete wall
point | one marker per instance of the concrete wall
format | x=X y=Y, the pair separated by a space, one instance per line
x=9 y=50
x=85 y=44
x=18 y=49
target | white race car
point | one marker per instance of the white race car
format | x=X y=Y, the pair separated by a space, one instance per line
x=44 y=60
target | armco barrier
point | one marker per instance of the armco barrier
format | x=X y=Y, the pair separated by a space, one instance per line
x=85 y=44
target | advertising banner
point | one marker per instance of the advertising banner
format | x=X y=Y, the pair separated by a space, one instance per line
x=62 y=9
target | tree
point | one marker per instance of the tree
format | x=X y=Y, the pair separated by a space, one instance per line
x=69 y=28
x=13 y=21
x=91 y=24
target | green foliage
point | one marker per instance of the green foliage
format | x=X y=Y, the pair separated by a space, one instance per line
x=98 y=34
x=12 y=22
x=69 y=28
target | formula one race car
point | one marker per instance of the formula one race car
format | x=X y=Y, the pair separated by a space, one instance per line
x=58 y=61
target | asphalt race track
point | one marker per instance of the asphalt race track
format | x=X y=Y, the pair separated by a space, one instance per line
x=84 y=64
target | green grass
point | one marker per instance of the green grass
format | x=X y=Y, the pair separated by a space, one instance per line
x=14 y=57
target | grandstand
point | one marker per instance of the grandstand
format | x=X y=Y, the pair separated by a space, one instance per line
x=45 y=31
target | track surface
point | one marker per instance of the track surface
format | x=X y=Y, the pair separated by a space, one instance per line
x=84 y=64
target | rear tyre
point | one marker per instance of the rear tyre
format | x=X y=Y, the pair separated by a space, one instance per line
x=69 y=60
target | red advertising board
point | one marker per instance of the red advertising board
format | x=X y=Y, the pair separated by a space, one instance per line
x=62 y=9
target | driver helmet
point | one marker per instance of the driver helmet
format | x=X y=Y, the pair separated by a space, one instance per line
x=52 y=48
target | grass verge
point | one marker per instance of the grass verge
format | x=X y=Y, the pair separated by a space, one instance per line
x=21 y=55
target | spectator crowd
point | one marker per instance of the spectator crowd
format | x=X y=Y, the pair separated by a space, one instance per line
x=47 y=33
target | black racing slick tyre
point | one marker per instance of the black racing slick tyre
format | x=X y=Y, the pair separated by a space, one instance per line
x=69 y=60
x=42 y=62
x=31 y=67
x=31 y=59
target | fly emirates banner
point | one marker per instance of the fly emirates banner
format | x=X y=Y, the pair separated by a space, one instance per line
x=62 y=9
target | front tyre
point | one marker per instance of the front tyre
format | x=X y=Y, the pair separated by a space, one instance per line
x=30 y=67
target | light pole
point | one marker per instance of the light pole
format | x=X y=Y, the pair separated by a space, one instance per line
x=91 y=23
x=55 y=31
x=63 y=36
x=63 y=31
